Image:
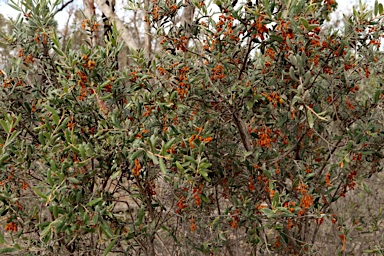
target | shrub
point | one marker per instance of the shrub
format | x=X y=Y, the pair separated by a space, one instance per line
x=238 y=135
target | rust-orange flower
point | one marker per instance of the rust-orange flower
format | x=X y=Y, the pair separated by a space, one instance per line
x=136 y=169
x=306 y=201
x=11 y=226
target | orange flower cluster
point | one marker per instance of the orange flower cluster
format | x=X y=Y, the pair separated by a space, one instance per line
x=290 y=224
x=334 y=218
x=277 y=242
x=162 y=71
x=148 y=111
x=301 y=188
x=259 y=27
x=193 y=225
x=29 y=59
x=7 y=180
x=173 y=8
x=375 y=42
x=262 y=179
x=251 y=185
x=18 y=205
x=226 y=21
x=217 y=72
x=259 y=207
x=264 y=137
x=19 y=83
x=290 y=206
x=82 y=83
x=84 y=24
x=270 y=52
x=181 y=44
x=357 y=157
x=21 y=53
x=328 y=179
x=196 y=195
x=90 y=64
x=307 y=169
x=24 y=185
x=222 y=20
x=349 y=104
x=319 y=221
x=286 y=31
x=327 y=70
x=180 y=204
x=235 y=219
x=155 y=12
x=271 y=193
x=367 y=72
x=136 y=169
x=198 y=137
x=38 y=38
x=11 y=226
x=343 y=240
x=94 y=28
x=183 y=86
x=277 y=171
x=306 y=201
x=273 y=97
x=354 y=89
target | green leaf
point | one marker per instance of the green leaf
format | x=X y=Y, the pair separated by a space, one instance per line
x=366 y=188
x=35 y=189
x=58 y=51
x=106 y=229
x=180 y=167
x=190 y=159
x=204 y=174
x=115 y=175
x=312 y=27
x=282 y=120
x=275 y=198
x=167 y=146
x=304 y=22
x=55 y=211
x=268 y=212
x=8 y=249
x=5 y=125
x=140 y=216
x=152 y=157
x=136 y=154
x=55 y=116
x=110 y=246
x=162 y=166
x=2 y=240
x=95 y=201
x=46 y=231
x=73 y=180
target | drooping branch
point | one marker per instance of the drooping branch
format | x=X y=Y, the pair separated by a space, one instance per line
x=63 y=5
x=125 y=35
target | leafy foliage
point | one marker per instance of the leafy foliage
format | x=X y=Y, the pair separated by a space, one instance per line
x=238 y=135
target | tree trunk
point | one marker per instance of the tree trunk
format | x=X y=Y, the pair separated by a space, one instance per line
x=107 y=11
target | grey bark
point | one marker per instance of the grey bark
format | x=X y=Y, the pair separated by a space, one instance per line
x=125 y=35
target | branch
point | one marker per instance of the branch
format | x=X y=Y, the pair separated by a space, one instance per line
x=125 y=35
x=243 y=132
x=63 y=5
